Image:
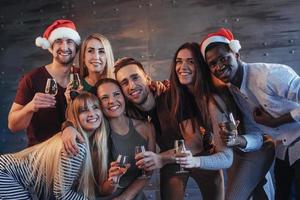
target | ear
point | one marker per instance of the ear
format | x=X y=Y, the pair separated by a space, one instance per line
x=148 y=78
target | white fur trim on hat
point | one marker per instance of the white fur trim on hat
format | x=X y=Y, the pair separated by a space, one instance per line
x=210 y=40
x=42 y=42
x=62 y=32
x=235 y=46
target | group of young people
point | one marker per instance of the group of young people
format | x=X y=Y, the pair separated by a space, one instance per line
x=77 y=136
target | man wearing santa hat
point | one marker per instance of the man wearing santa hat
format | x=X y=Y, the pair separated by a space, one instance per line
x=39 y=113
x=268 y=95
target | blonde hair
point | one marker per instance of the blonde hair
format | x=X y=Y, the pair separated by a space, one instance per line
x=108 y=71
x=45 y=158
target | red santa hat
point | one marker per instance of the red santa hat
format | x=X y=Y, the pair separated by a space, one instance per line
x=222 y=35
x=58 y=29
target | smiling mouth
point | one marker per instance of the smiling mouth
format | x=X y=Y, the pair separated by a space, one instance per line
x=135 y=92
x=114 y=108
x=93 y=120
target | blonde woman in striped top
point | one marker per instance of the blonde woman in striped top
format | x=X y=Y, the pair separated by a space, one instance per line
x=46 y=169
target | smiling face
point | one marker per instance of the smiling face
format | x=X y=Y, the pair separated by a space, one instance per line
x=94 y=56
x=64 y=51
x=111 y=99
x=222 y=63
x=185 y=67
x=89 y=117
x=134 y=83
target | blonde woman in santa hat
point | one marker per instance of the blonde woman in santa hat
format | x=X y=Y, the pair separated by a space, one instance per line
x=45 y=169
x=39 y=113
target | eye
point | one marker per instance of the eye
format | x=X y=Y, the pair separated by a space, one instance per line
x=69 y=41
x=81 y=110
x=223 y=59
x=101 y=51
x=136 y=77
x=95 y=107
x=178 y=62
x=116 y=94
x=104 y=98
x=124 y=83
x=191 y=61
x=90 y=51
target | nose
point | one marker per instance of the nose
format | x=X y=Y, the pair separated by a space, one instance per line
x=111 y=100
x=64 y=45
x=131 y=84
x=96 y=55
x=90 y=112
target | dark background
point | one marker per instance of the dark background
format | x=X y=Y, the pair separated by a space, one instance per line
x=148 y=30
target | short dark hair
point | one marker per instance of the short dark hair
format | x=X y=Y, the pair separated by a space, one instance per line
x=122 y=62
x=216 y=44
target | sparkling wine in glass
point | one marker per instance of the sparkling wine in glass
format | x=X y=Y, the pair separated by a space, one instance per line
x=122 y=162
x=51 y=87
x=229 y=123
x=75 y=80
x=140 y=149
x=179 y=152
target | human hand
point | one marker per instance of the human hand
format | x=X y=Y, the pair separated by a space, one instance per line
x=69 y=90
x=159 y=87
x=115 y=171
x=41 y=100
x=188 y=161
x=228 y=133
x=149 y=161
x=69 y=136
x=261 y=116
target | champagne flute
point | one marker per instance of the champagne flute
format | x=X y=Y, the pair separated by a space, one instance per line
x=179 y=152
x=75 y=80
x=122 y=162
x=51 y=87
x=75 y=83
x=140 y=149
x=229 y=123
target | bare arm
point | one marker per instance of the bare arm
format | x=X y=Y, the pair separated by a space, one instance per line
x=263 y=117
x=136 y=186
x=20 y=116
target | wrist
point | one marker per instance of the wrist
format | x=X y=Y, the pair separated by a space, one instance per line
x=241 y=141
x=66 y=124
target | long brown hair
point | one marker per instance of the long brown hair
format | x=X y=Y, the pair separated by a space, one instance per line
x=179 y=93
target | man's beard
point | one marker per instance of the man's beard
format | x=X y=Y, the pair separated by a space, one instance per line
x=144 y=99
x=65 y=62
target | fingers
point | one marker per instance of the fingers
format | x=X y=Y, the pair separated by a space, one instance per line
x=71 y=147
x=69 y=141
x=80 y=138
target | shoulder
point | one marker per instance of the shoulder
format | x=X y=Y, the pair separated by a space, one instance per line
x=143 y=127
x=36 y=73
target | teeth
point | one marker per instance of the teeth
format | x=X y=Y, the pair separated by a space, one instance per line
x=135 y=93
x=223 y=67
x=92 y=120
x=113 y=108
x=184 y=73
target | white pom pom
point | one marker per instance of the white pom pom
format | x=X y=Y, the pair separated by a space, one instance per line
x=42 y=42
x=235 y=46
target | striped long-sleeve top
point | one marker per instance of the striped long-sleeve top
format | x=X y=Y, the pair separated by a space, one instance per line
x=16 y=181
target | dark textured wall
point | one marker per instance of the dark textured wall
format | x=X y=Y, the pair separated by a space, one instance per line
x=149 y=30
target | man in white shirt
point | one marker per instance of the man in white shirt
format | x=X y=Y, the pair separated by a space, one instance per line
x=267 y=95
